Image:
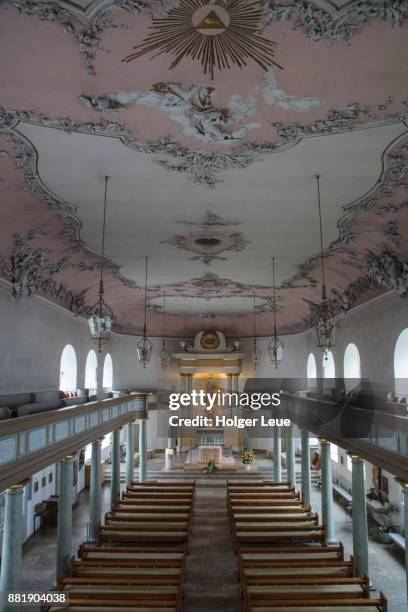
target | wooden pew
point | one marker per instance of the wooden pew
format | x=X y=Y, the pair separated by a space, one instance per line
x=294 y=589
x=153 y=509
x=315 y=534
x=249 y=554
x=257 y=483
x=138 y=556
x=158 y=495
x=123 y=534
x=137 y=501
x=270 y=507
x=321 y=605
x=147 y=516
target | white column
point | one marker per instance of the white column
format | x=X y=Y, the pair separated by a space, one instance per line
x=115 y=467
x=64 y=533
x=327 y=491
x=359 y=514
x=142 y=450
x=404 y=486
x=130 y=454
x=277 y=449
x=290 y=457
x=95 y=501
x=11 y=556
x=306 y=479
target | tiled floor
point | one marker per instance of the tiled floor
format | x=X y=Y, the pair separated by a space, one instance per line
x=212 y=582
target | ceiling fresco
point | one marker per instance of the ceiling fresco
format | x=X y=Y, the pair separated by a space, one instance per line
x=212 y=135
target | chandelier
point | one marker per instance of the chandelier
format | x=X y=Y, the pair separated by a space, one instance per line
x=144 y=346
x=275 y=346
x=101 y=318
x=254 y=354
x=323 y=319
x=164 y=356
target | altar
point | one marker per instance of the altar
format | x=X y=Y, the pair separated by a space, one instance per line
x=208 y=453
x=201 y=455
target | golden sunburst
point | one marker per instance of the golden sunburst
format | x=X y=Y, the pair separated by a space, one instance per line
x=218 y=35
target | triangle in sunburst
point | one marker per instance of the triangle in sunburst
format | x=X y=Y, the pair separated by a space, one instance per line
x=211 y=22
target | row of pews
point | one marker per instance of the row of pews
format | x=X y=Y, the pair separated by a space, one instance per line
x=139 y=562
x=284 y=561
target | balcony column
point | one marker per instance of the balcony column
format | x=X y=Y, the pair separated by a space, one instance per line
x=142 y=449
x=115 y=465
x=99 y=376
x=290 y=457
x=404 y=486
x=306 y=481
x=327 y=491
x=95 y=501
x=11 y=556
x=277 y=449
x=359 y=513
x=130 y=454
x=230 y=383
x=64 y=532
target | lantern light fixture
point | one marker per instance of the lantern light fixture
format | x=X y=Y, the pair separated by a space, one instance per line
x=254 y=354
x=275 y=346
x=164 y=356
x=144 y=346
x=324 y=318
x=101 y=318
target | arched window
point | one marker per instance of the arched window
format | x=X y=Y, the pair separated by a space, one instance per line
x=401 y=365
x=107 y=372
x=68 y=369
x=91 y=369
x=329 y=370
x=311 y=370
x=352 y=367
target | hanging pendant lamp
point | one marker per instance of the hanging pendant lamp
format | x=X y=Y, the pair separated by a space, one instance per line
x=324 y=319
x=144 y=346
x=275 y=346
x=101 y=318
x=164 y=356
x=254 y=354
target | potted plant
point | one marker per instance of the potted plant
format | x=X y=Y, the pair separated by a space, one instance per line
x=372 y=494
x=382 y=532
x=210 y=467
x=247 y=457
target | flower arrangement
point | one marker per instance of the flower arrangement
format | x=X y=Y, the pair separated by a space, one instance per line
x=247 y=457
x=210 y=467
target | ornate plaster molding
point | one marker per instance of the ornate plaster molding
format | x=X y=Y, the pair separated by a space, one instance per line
x=323 y=24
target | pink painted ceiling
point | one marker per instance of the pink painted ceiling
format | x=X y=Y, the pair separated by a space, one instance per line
x=62 y=70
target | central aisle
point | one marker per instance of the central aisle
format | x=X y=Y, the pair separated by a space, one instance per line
x=212 y=569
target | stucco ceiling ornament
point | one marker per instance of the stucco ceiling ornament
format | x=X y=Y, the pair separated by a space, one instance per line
x=209 y=238
x=320 y=24
x=28 y=264
x=86 y=32
x=389 y=271
x=219 y=34
x=202 y=167
x=192 y=107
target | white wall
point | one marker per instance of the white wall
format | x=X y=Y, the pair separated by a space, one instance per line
x=374 y=328
x=33 y=336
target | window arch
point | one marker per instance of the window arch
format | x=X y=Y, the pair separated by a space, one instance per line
x=107 y=372
x=351 y=366
x=68 y=369
x=91 y=369
x=329 y=369
x=311 y=370
x=401 y=364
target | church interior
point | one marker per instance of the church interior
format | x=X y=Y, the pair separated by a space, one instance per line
x=203 y=296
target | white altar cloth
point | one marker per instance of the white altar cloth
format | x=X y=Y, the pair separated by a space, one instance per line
x=206 y=453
